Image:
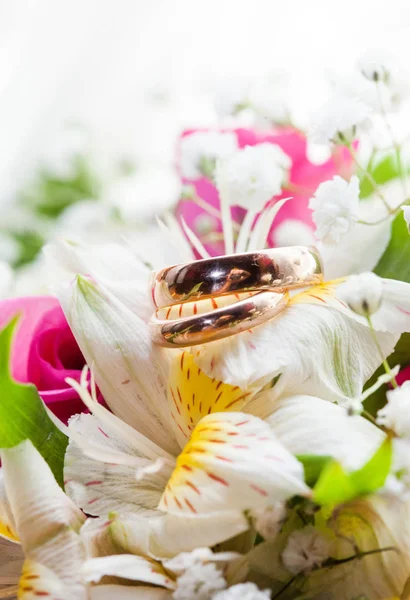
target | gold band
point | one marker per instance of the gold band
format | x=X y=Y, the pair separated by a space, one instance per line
x=238 y=316
x=276 y=269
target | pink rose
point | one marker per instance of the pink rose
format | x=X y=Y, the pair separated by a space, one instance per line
x=404 y=375
x=304 y=176
x=45 y=352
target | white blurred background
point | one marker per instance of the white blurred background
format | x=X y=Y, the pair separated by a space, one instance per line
x=136 y=71
x=118 y=80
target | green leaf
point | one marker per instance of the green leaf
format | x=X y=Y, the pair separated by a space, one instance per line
x=23 y=414
x=382 y=172
x=335 y=486
x=373 y=474
x=313 y=466
x=395 y=262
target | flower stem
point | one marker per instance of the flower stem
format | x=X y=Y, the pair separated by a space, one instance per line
x=369 y=177
x=384 y=361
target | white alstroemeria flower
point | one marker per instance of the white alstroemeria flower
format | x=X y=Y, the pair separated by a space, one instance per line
x=338 y=120
x=406 y=214
x=396 y=414
x=243 y=591
x=362 y=293
x=306 y=549
x=47 y=523
x=344 y=360
x=200 y=151
x=252 y=176
x=335 y=206
x=110 y=467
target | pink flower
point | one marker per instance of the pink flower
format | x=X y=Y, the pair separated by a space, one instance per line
x=44 y=351
x=304 y=178
x=404 y=375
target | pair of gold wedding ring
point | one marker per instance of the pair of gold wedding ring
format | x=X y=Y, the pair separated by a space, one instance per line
x=213 y=298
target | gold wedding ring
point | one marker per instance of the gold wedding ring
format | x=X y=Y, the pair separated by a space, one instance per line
x=214 y=298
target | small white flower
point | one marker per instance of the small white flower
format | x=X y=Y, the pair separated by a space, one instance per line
x=338 y=120
x=243 y=591
x=268 y=521
x=252 y=176
x=362 y=293
x=335 y=207
x=201 y=150
x=375 y=65
x=305 y=550
x=200 y=581
x=406 y=214
x=396 y=414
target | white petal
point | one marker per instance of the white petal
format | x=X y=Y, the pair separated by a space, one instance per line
x=11 y=562
x=101 y=471
x=128 y=367
x=46 y=519
x=39 y=581
x=114 y=265
x=121 y=592
x=7 y=523
x=166 y=535
x=127 y=566
x=345 y=355
x=309 y=425
x=232 y=461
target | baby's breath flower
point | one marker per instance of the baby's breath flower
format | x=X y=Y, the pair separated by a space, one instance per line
x=268 y=521
x=335 y=207
x=362 y=293
x=243 y=591
x=252 y=176
x=200 y=581
x=201 y=150
x=396 y=414
x=231 y=96
x=375 y=65
x=305 y=550
x=338 y=120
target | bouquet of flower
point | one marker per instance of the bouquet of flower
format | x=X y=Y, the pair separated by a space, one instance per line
x=236 y=424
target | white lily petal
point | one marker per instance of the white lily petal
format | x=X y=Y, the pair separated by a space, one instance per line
x=345 y=355
x=11 y=562
x=127 y=566
x=7 y=523
x=166 y=535
x=309 y=425
x=128 y=367
x=46 y=519
x=172 y=231
x=122 y=592
x=39 y=581
x=232 y=460
x=102 y=484
x=116 y=266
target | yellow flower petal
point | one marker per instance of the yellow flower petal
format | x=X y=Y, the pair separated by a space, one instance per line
x=193 y=395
